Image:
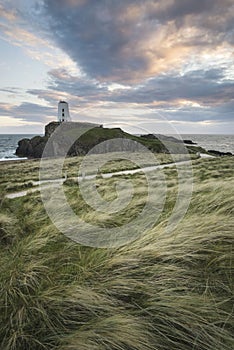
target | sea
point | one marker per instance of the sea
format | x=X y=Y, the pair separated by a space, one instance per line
x=222 y=143
x=8 y=145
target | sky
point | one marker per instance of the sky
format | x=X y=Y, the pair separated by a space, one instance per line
x=143 y=65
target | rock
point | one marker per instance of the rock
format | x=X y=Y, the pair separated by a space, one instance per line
x=31 y=148
x=38 y=144
x=50 y=128
x=24 y=148
x=160 y=137
x=189 y=142
x=220 y=154
x=149 y=136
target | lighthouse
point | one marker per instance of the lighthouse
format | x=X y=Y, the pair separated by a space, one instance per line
x=63 y=112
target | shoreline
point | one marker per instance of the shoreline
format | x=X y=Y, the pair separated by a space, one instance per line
x=207 y=141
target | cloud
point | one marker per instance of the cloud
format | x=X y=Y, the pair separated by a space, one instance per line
x=8 y=13
x=21 y=25
x=201 y=86
x=62 y=80
x=204 y=87
x=198 y=95
x=29 y=112
x=126 y=59
x=11 y=90
x=79 y=91
x=129 y=41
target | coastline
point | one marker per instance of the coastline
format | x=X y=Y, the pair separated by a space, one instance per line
x=220 y=143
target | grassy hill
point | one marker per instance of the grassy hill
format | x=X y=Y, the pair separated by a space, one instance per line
x=82 y=137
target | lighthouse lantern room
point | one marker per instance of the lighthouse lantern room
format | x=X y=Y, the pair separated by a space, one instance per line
x=63 y=112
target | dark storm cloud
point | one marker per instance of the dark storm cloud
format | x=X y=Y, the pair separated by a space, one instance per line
x=61 y=80
x=196 y=96
x=145 y=45
x=90 y=34
x=79 y=90
x=188 y=7
x=178 y=9
x=127 y=41
x=206 y=87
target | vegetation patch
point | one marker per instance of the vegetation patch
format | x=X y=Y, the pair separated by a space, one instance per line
x=162 y=291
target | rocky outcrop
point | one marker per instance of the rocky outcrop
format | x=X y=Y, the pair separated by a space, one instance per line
x=75 y=139
x=50 y=128
x=31 y=148
x=220 y=154
x=161 y=137
x=189 y=142
x=149 y=136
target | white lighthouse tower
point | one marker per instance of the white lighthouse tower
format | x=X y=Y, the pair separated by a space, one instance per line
x=63 y=112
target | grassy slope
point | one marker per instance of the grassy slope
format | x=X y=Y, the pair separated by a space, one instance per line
x=166 y=292
x=15 y=178
x=96 y=135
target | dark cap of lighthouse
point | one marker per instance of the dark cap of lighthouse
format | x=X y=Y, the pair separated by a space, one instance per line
x=63 y=112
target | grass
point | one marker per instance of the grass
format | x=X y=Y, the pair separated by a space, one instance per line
x=16 y=177
x=162 y=291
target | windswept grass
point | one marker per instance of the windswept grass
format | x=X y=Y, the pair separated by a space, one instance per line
x=160 y=292
x=19 y=175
